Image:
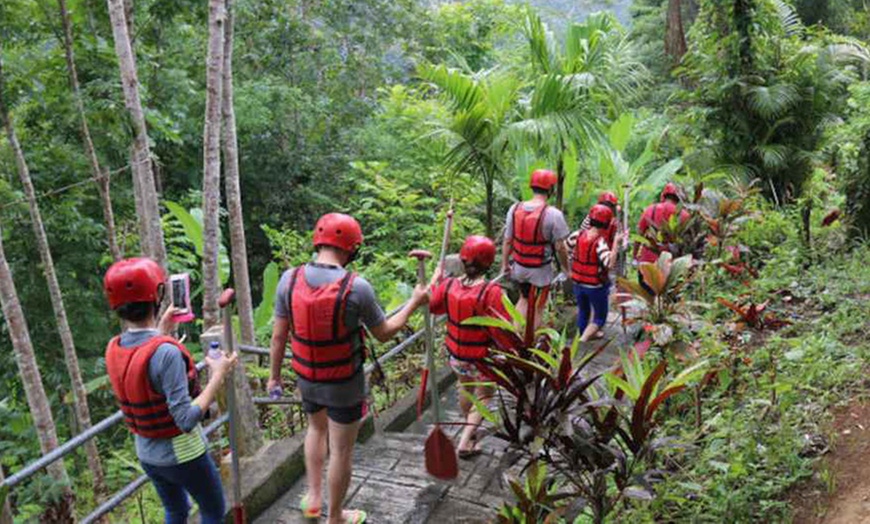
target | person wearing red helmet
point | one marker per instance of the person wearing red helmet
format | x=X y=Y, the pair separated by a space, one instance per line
x=655 y=215
x=609 y=199
x=154 y=379
x=461 y=298
x=590 y=266
x=322 y=309
x=534 y=235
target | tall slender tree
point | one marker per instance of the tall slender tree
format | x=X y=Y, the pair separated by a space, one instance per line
x=34 y=391
x=100 y=176
x=145 y=192
x=241 y=278
x=80 y=398
x=211 y=190
x=675 y=36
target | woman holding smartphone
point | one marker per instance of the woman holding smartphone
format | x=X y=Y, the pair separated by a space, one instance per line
x=153 y=378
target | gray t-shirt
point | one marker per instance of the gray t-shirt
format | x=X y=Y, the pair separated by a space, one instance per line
x=554 y=229
x=167 y=372
x=362 y=309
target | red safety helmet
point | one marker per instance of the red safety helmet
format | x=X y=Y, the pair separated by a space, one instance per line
x=600 y=215
x=543 y=179
x=670 y=190
x=608 y=198
x=478 y=250
x=338 y=230
x=133 y=280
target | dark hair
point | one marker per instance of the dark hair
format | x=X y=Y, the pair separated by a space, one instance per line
x=472 y=270
x=539 y=191
x=137 y=311
x=673 y=198
x=611 y=205
x=597 y=224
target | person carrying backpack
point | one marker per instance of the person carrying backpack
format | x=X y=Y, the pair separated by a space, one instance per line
x=461 y=298
x=154 y=380
x=322 y=309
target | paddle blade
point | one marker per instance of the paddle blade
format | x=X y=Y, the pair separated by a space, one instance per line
x=421 y=394
x=441 y=460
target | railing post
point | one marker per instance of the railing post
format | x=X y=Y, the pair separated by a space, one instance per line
x=250 y=438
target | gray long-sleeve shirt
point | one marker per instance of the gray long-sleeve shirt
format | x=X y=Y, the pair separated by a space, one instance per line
x=167 y=372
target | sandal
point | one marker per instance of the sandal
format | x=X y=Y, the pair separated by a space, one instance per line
x=358 y=516
x=309 y=512
x=466 y=454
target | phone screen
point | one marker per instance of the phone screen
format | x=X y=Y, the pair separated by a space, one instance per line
x=179 y=294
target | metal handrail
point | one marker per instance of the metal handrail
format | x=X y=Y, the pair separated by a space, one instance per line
x=68 y=447
x=128 y=490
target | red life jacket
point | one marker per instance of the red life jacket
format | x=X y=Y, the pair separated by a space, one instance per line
x=324 y=349
x=528 y=244
x=585 y=265
x=656 y=215
x=463 y=302
x=145 y=411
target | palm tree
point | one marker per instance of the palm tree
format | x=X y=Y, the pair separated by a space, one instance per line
x=480 y=105
x=574 y=88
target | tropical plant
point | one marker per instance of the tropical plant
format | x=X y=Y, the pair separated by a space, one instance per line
x=662 y=308
x=481 y=104
x=538 y=499
x=576 y=85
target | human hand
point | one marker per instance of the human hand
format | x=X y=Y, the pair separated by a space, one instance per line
x=167 y=323
x=275 y=388
x=219 y=367
x=420 y=295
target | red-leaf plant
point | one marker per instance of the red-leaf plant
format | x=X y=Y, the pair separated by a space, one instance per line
x=553 y=408
x=754 y=315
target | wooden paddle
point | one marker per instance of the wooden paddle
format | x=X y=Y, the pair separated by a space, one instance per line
x=440 y=454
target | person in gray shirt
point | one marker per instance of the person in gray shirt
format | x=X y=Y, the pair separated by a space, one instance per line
x=531 y=246
x=322 y=309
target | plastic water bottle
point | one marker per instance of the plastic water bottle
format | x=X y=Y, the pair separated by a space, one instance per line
x=214 y=351
x=276 y=392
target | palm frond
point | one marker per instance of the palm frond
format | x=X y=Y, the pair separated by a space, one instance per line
x=770 y=102
x=462 y=90
x=788 y=18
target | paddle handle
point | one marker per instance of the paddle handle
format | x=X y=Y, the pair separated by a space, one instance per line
x=225 y=302
x=445 y=241
x=428 y=339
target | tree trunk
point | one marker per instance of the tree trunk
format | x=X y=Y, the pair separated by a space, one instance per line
x=80 y=398
x=5 y=508
x=211 y=191
x=675 y=36
x=31 y=380
x=560 y=186
x=241 y=279
x=100 y=177
x=150 y=228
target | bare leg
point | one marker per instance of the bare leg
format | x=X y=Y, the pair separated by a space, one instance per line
x=341 y=441
x=315 y=454
x=465 y=403
x=523 y=306
x=590 y=332
x=473 y=418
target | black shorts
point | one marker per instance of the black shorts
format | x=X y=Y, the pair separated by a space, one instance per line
x=343 y=415
x=540 y=295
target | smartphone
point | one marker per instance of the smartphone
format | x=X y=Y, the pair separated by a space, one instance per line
x=181 y=292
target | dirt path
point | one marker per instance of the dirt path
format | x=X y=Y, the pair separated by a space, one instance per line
x=840 y=490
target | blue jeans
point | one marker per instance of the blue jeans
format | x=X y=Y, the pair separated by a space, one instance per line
x=591 y=300
x=200 y=478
